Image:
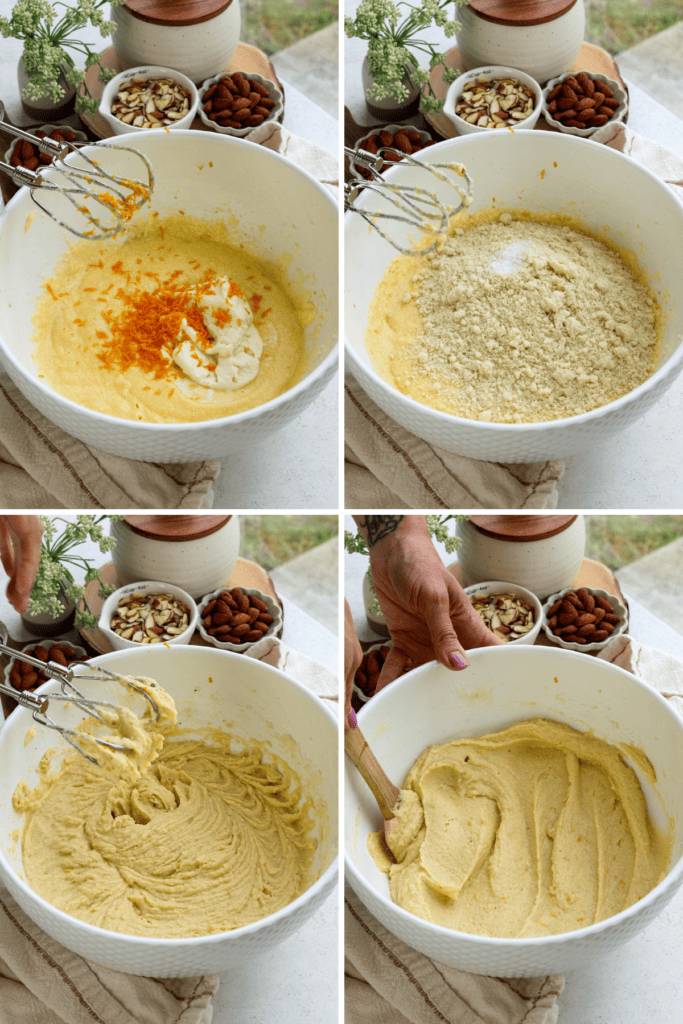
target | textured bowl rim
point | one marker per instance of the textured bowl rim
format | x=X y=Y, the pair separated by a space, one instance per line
x=567 y=645
x=584 y=133
x=521 y=592
x=143 y=942
x=170 y=430
x=221 y=645
x=492 y=431
x=490 y=942
x=495 y=71
x=240 y=133
x=112 y=601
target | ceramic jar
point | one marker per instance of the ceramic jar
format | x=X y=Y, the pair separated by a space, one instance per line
x=540 y=37
x=195 y=37
x=541 y=553
x=44 y=109
x=197 y=553
x=390 y=108
x=47 y=624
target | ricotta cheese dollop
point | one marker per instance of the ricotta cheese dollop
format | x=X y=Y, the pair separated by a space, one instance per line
x=230 y=357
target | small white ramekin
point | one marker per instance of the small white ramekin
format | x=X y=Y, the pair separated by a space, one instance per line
x=147 y=587
x=488 y=74
x=150 y=71
x=273 y=609
x=273 y=93
x=497 y=587
x=619 y=610
x=619 y=113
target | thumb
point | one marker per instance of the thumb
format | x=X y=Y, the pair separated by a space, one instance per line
x=447 y=648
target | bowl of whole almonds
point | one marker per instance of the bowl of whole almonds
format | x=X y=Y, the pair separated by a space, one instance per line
x=402 y=137
x=489 y=98
x=148 y=613
x=236 y=103
x=149 y=97
x=512 y=613
x=580 y=104
x=583 y=619
x=235 y=618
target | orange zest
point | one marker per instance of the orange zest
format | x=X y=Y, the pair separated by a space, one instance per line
x=145 y=332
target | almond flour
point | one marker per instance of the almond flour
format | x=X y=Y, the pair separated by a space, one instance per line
x=514 y=321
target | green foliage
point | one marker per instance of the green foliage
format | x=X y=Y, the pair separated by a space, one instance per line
x=618 y=24
x=57 y=554
x=274 y=24
x=618 y=540
x=272 y=540
x=393 y=34
x=48 y=38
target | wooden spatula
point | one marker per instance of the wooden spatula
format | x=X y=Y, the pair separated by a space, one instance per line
x=384 y=791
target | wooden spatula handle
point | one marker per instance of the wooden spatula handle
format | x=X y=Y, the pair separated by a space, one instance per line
x=384 y=791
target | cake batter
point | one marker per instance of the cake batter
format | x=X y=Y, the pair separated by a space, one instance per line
x=532 y=831
x=111 y=315
x=178 y=837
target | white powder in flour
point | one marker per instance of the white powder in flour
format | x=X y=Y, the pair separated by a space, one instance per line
x=522 y=321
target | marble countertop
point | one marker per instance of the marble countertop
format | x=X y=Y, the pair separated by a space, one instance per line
x=626 y=470
x=297 y=467
x=641 y=980
x=298 y=982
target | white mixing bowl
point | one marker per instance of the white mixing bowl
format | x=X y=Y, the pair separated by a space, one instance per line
x=501 y=686
x=580 y=178
x=211 y=688
x=278 y=211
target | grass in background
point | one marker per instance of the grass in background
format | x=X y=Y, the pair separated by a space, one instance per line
x=619 y=540
x=272 y=540
x=618 y=24
x=274 y=24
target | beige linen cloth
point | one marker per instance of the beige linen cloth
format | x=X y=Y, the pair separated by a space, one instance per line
x=387 y=982
x=42 y=982
x=388 y=467
x=41 y=466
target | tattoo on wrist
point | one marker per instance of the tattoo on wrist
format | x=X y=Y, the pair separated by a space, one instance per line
x=378 y=527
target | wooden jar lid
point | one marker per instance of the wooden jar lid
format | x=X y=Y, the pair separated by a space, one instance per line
x=521 y=528
x=175 y=528
x=520 y=12
x=176 y=12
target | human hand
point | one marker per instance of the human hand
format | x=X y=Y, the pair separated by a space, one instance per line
x=20 y=556
x=353 y=655
x=427 y=611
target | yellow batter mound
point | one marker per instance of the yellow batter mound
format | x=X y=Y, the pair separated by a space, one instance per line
x=204 y=837
x=532 y=831
x=89 y=348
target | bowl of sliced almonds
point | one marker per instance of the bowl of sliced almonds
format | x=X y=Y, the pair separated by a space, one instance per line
x=511 y=612
x=495 y=97
x=149 y=97
x=148 y=613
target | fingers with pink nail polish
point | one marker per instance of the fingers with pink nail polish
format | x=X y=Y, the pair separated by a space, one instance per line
x=459 y=660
